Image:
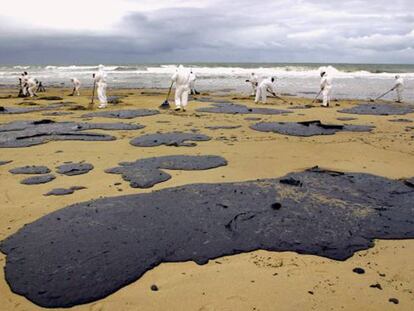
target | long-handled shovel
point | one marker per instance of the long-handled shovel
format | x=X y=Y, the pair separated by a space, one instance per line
x=166 y=104
x=379 y=97
x=282 y=99
x=91 y=104
x=73 y=92
x=278 y=97
x=320 y=92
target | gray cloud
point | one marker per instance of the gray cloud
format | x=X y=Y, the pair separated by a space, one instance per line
x=272 y=31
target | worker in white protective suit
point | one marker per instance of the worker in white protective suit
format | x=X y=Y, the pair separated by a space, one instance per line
x=100 y=80
x=253 y=80
x=24 y=85
x=326 y=88
x=267 y=85
x=181 y=78
x=32 y=87
x=76 y=86
x=399 y=87
x=193 y=79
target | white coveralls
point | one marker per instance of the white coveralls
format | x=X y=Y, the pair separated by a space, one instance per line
x=31 y=87
x=265 y=86
x=254 y=81
x=182 y=87
x=399 y=87
x=192 y=80
x=326 y=87
x=100 y=79
x=76 y=86
x=25 y=78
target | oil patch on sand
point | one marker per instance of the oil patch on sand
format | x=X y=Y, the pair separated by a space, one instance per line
x=308 y=128
x=146 y=173
x=89 y=250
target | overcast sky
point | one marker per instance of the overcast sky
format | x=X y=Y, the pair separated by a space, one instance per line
x=138 y=31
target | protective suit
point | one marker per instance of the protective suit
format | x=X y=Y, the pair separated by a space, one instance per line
x=326 y=88
x=31 y=87
x=24 y=83
x=76 y=86
x=100 y=80
x=193 y=79
x=399 y=87
x=265 y=86
x=254 y=82
x=181 y=78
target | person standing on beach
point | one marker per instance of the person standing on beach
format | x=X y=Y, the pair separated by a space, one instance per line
x=326 y=88
x=254 y=82
x=399 y=87
x=193 y=79
x=100 y=80
x=23 y=83
x=265 y=86
x=76 y=86
x=31 y=87
x=181 y=78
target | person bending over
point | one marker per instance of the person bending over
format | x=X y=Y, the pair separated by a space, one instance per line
x=267 y=85
x=76 y=86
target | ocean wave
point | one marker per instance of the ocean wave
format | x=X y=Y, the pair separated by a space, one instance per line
x=76 y=68
x=228 y=70
x=126 y=68
x=280 y=71
x=21 y=67
x=71 y=68
x=214 y=72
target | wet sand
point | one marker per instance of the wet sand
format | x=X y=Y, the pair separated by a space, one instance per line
x=254 y=281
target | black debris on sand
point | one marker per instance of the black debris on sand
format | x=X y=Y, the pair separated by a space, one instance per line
x=37 y=180
x=31 y=170
x=229 y=108
x=73 y=169
x=20 y=134
x=118 y=239
x=308 y=128
x=379 y=109
x=176 y=139
x=122 y=114
x=63 y=191
x=146 y=173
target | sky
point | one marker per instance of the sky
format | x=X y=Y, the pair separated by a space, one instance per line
x=160 y=31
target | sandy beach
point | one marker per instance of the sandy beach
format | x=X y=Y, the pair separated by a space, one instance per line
x=259 y=280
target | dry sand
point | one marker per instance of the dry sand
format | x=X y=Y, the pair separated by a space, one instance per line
x=254 y=281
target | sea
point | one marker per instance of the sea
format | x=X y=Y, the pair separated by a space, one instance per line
x=351 y=81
